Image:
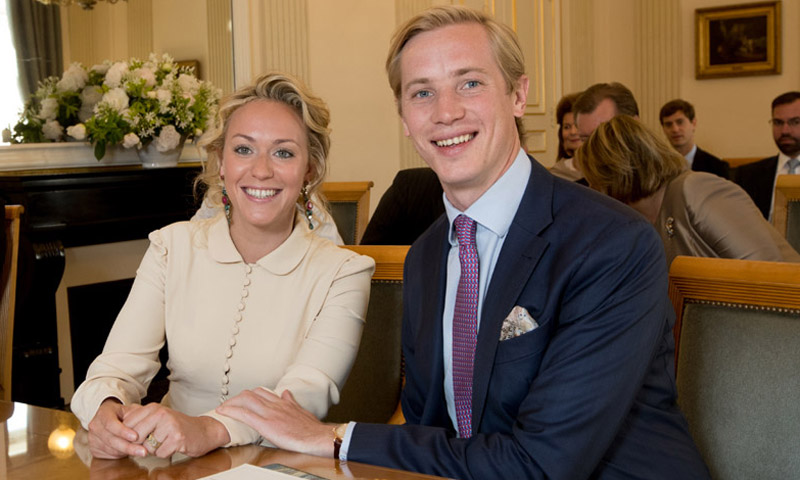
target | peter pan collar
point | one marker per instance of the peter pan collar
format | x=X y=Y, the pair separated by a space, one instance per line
x=280 y=261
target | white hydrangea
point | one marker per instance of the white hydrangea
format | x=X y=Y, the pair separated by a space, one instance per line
x=52 y=130
x=49 y=109
x=117 y=99
x=101 y=68
x=164 y=99
x=77 y=131
x=91 y=94
x=130 y=140
x=115 y=73
x=168 y=139
x=74 y=78
x=189 y=84
x=147 y=74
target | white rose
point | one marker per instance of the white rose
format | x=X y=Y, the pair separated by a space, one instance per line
x=130 y=140
x=168 y=139
x=52 y=130
x=117 y=99
x=114 y=74
x=146 y=74
x=74 y=78
x=49 y=109
x=77 y=131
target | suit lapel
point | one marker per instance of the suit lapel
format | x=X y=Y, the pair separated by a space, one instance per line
x=521 y=252
x=433 y=268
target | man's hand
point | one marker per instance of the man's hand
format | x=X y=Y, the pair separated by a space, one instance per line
x=281 y=421
x=163 y=431
x=109 y=438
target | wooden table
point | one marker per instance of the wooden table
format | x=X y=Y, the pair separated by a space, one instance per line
x=38 y=443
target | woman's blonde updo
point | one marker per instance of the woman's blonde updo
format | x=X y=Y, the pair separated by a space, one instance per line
x=279 y=87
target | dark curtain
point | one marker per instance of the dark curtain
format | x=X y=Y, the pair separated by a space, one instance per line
x=36 y=29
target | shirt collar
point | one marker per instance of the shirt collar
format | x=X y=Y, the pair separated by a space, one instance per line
x=690 y=156
x=280 y=261
x=495 y=209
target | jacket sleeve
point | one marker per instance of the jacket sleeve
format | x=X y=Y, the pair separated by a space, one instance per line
x=130 y=357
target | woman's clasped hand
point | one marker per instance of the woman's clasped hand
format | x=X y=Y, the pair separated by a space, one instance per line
x=118 y=431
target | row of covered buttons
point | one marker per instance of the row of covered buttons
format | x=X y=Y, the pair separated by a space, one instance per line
x=237 y=318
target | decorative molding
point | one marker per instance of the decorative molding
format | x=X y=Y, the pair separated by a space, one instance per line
x=219 y=70
x=535 y=141
x=657 y=43
x=405 y=10
x=270 y=35
x=140 y=28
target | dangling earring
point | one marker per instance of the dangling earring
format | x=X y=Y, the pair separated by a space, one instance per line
x=226 y=202
x=309 y=206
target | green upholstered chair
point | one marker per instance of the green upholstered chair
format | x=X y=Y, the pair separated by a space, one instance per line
x=786 y=209
x=738 y=363
x=348 y=203
x=372 y=391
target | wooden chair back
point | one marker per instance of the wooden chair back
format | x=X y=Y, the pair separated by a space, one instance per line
x=372 y=391
x=349 y=207
x=786 y=209
x=737 y=354
x=8 y=282
x=736 y=162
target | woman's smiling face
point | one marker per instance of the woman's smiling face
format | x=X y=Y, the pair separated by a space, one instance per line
x=264 y=165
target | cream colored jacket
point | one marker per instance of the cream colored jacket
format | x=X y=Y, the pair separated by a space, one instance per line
x=291 y=321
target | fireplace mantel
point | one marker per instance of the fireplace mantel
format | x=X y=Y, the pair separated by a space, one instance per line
x=73 y=207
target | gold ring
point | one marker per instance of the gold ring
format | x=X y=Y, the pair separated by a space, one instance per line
x=151 y=440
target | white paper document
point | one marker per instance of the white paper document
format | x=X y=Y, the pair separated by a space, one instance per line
x=251 y=472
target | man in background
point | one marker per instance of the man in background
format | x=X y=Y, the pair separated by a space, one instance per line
x=600 y=103
x=679 y=122
x=758 y=178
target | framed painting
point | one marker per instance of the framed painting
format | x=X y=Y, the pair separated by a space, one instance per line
x=738 y=40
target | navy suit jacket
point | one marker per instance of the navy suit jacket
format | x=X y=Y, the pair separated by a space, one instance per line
x=758 y=180
x=705 y=162
x=590 y=392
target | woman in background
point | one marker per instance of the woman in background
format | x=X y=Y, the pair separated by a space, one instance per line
x=568 y=140
x=696 y=213
x=247 y=298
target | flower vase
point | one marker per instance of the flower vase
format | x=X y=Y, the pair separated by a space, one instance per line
x=152 y=158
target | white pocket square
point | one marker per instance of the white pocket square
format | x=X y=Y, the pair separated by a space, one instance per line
x=518 y=322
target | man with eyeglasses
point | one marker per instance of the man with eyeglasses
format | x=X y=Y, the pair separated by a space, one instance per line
x=758 y=178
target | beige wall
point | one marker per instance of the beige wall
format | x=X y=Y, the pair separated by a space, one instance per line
x=348 y=40
x=187 y=43
x=732 y=113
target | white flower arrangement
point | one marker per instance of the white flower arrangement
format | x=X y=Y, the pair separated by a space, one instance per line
x=130 y=103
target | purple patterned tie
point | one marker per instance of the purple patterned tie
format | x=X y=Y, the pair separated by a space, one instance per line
x=465 y=323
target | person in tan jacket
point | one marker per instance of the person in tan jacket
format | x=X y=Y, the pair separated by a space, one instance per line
x=695 y=213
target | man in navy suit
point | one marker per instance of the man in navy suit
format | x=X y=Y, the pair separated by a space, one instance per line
x=572 y=364
x=758 y=178
x=679 y=122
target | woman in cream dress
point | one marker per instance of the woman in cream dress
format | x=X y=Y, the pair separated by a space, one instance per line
x=250 y=297
x=695 y=213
